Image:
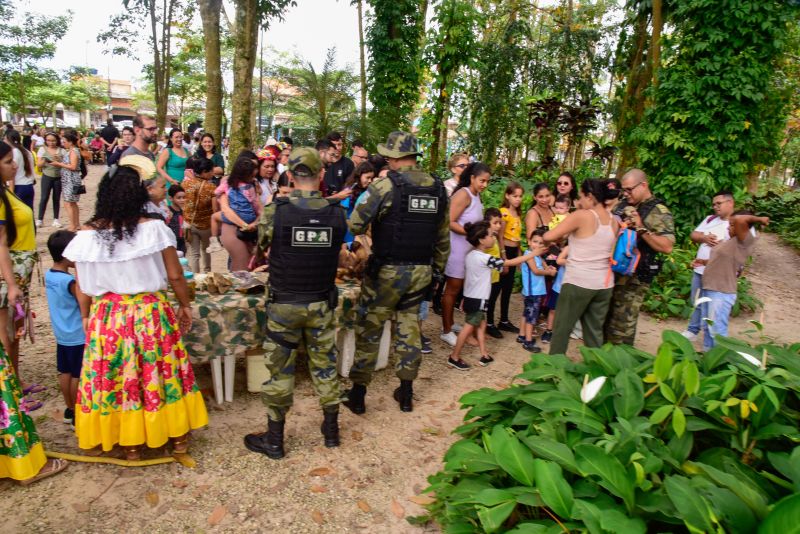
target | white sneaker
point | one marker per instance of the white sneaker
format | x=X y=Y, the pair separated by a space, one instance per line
x=455 y=328
x=57 y=224
x=215 y=246
x=689 y=335
x=38 y=222
x=449 y=338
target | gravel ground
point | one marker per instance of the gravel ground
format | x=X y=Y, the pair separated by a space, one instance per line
x=367 y=485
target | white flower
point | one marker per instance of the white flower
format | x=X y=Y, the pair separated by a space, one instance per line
x=701 y=300
x=749 y=358
x=590 y=389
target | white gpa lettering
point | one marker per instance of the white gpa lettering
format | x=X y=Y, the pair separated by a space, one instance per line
x=304 y=236
x=423 y=204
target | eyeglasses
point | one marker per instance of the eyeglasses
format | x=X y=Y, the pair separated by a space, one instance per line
x=563 y=183
x=461 y=166
x=629 y=190
x=720 y=203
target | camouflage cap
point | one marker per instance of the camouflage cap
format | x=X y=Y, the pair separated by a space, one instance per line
x=306 y=156
x=399 y=145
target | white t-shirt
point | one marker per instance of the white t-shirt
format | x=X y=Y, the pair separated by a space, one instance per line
x=21 y=178
x=37 y=141
x=711 y=225
x=479 y=267
x=136 y=265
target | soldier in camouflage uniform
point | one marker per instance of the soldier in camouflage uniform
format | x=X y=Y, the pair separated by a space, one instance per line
x=304 y=234
x=407 y=211
x=656 y=235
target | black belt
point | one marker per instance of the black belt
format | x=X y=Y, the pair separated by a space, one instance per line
x=297 y=298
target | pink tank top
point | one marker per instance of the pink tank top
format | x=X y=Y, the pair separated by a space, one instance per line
x=588 y=261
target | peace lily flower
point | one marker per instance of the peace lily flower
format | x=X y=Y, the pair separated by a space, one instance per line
x=590 y=389
x=701 y=300
x=749 y=358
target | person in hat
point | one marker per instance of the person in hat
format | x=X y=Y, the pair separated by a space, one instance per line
x=304 y=233
x=411 y=239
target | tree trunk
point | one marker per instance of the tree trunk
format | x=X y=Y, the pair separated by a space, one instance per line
x=363 y=72
x=439 y=111
x=629 y=115
x=210 y=13
x=161 y=56
x=244 y=60
x=655 y=41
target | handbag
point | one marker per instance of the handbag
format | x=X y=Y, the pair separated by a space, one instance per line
x=248 y=236
x=78 y=189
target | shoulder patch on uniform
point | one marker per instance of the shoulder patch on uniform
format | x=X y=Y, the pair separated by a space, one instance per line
x=312 y=236
x=423 y=204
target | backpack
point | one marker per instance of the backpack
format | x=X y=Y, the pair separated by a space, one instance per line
x=626 y=256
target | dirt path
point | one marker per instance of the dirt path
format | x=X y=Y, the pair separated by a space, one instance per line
x=363 y=486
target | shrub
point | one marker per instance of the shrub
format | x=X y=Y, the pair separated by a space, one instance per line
x=668 y=442
x=783 y=209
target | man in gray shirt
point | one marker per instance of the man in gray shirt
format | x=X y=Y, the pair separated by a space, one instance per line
x=144 y=128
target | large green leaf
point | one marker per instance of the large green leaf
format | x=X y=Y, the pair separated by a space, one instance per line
x=683 y=345
x=743 y=488
x=689 y=502
x=784 y=518
x=491 y=497
x=593 y=460
x=606 y=519
x=729 y=509
x=513 y=456
x=551 y=449
x=628 y=394
x=493 y=518
x=529 y=528
x=663 y=363
x=553 y=487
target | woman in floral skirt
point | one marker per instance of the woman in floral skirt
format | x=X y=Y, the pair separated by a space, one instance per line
x=137 y=386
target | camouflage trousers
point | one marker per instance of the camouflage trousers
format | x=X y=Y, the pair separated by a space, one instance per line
x=289 y=325
x=623 y=313
x=398 y=289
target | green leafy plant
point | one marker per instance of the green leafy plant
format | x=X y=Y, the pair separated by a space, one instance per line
x=783 y=209
x=627 y=441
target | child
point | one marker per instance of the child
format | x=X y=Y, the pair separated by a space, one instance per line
x=560 y=209
x=177 y=196
x=509 y=238
x=494 y=217
x=552 y=296
x=157 y=207
x=477 y=288
x=533 y=289
x=65 y=314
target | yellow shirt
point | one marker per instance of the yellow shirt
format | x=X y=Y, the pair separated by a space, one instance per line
x=23 y=218
x=495 y=251
x=556 y=220
x=513 y=229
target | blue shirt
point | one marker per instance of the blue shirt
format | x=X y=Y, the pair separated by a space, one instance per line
x=533 y=284
x=65 y=313
x=559 y=278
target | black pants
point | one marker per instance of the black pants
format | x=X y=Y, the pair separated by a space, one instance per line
x=50 y=184
x=507 y=284
x=496 y=287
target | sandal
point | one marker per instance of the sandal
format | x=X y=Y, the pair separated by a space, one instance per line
x=28 y=405
x=180 y=445
x=34 y=388
x=53 y=466
x=133 y=454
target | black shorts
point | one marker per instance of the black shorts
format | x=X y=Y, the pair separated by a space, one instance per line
x=69 y=359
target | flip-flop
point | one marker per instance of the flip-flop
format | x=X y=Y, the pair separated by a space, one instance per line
x=28 y=405
x=34 y=388
x=53 y=466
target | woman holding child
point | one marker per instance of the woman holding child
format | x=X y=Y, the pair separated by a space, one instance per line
x=588 y=282
x=137 y=386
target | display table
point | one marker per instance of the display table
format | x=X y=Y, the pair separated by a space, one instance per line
x=232 y=325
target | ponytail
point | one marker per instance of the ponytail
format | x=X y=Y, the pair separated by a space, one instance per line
x=14 y=139
x=11 y=226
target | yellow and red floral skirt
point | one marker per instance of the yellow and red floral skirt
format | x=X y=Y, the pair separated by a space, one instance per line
x=137 y=386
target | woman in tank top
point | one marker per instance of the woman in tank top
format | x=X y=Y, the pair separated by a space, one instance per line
x=588 y=282
x=172 y=160
x=465 y=207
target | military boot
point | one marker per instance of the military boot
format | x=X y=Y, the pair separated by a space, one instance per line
x=270 y=442
x=355 y=399
x=405 y=395
x=330 y=429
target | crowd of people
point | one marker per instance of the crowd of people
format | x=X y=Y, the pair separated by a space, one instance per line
x=124 y=373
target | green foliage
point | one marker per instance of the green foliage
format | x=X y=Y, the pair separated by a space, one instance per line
x=721 y=104
x=663 y=442
x=393 y=37
x=783 y=210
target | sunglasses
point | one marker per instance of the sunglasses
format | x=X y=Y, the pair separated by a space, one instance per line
x=629 y=190
x=461 y=166
x=563 y=183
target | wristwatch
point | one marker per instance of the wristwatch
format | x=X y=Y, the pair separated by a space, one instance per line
x=642 y=230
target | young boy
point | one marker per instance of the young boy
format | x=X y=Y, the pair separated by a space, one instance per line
x=477 y=288
x=555 y=291
x=177 y=199
x=533 y=289
x=495 y=220
x=65 y=314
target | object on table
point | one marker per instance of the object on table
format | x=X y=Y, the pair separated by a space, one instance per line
x=249 y=283
x=353 y=260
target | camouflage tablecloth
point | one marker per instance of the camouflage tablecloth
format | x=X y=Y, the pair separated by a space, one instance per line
x=233 y=323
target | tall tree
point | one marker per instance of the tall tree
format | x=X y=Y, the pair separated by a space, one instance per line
x=22 y=48
x=250 y=14
x=362 y=71
x=210 y=15
x=393 y=39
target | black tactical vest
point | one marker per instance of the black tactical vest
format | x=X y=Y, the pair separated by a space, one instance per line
x=304 y=253
x=408 y=233
x=650 y=262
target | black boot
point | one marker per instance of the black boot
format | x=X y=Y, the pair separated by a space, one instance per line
x=270 y=442
x=355 y=399
x=330 y=429
x=405 y=395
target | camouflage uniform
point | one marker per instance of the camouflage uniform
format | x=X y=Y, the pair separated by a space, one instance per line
x=289 y=325
x=629 y=291
x=398 y=289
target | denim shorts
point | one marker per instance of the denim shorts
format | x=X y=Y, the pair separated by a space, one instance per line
x=531 y=311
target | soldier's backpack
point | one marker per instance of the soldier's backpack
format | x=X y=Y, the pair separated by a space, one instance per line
x=626 y=256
